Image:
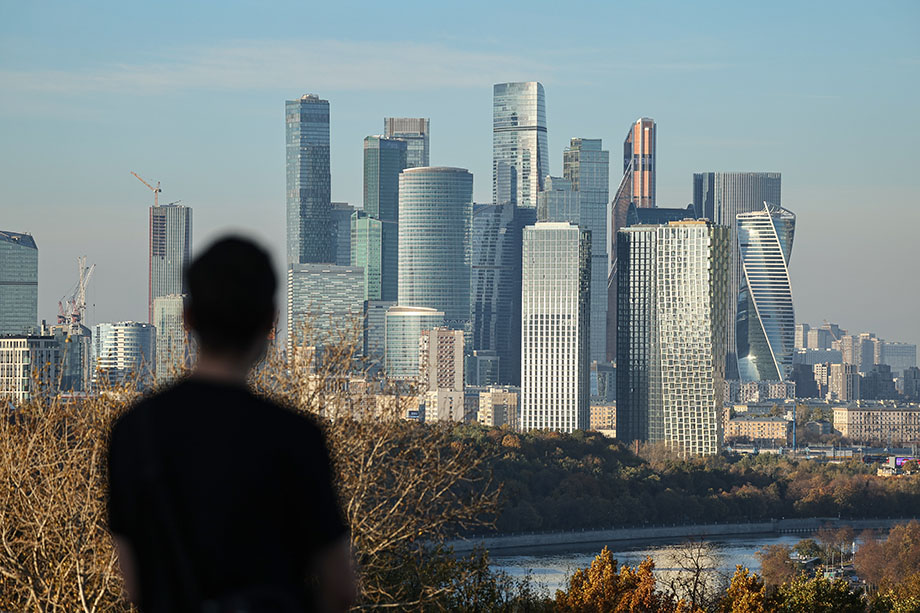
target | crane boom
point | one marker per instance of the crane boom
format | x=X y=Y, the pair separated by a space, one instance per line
x=156 y=190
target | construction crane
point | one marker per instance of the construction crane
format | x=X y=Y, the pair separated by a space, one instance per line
x=72 y=308
x=156 y=190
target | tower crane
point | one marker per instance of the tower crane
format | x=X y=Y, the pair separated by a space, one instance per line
x=72 y=309
x=156 y=190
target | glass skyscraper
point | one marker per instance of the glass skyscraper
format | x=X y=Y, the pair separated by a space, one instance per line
x=328 y=297
x=18 y=283
x=404 y=325
x=639 y=161
x=341 y=223
x=170 y=251
x=435 y=214
x=720 y=197
x=414 y=131
x=555 y=327
x=520 y=153
x=765 y=328
x=310 y=233
x=173 y=345
x=671 y=328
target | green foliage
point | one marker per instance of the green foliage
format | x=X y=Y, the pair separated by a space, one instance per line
x=819 y=595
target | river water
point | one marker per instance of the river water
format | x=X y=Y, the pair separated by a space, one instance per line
x=551 y=570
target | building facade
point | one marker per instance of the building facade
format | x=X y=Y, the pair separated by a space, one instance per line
x=639 y=161
x=325 y=301
x=170 y=251
x=671 y=324
x=124 y=350
x=375 y=320
x=765 y=324
x=498 y=406
x=310 y=233
x=435 y=215
x=173 y=343
x=842 y=382
x=28 y=366
x=555 y=327
x=441 y=359
x=415 y=132
x=759 y=429
x=18 y=283
x=878 y=423
x=520 y=151
x=404 y=326
x=341 y=225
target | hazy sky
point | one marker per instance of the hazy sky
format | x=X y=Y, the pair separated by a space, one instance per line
x=825 y=92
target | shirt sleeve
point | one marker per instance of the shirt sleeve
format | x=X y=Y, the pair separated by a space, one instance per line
x=119 y=498
x=329 y=523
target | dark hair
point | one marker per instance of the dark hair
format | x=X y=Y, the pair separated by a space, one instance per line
x=231 y=290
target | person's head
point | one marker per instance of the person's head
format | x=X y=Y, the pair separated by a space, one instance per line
x=231 y=304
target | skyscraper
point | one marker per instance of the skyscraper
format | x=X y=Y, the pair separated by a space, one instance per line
x=404 y=325
x=341 y=223
x=170 y=251
x=555 y=327
x=173 y=345
x=415 y=132
x=765 y=328
x=329 y=298
x=671 y=324
x=520 y=153
x=435 y=214
x=639 y=161
x=720 y=197
x=18 y=283
x=374 y=231
x=441 y=359
x=124 y=349
x=309 y=202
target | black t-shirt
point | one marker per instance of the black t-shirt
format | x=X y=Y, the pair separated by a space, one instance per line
x=247 y=486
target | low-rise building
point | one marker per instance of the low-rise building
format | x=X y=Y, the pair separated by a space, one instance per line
x=603 y=416
x=759 y=429
x=498 y=406
x=887 y=424
x=28 y=364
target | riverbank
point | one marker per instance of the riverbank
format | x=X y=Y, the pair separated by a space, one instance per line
x=549 y=542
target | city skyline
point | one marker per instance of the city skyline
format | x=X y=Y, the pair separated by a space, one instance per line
x=233 y=179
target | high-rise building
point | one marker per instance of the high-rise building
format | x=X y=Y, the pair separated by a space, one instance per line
x=639 y=161
x=435 y=215
x=310 y=237
x=911 y=378
x=441 y=359
x=415 y=132
x=496 y=290
x=375 y=321
x=341 y=224
x=18 y=283
x=555 y=327
x=671 y=328
x=124 y=349
x=404 y=326
x=842 y=382
x=765 y=324
x=170 y=251
x=801 y=335
x=28 y=365
x=173 y=344
x=324 y=301
x=720 y=197
x=520 y=152
x=899 y=356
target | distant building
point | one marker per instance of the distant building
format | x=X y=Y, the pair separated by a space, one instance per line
x=28 y=366
x=811 y=356
x=173 y=344
x=498 y=406
x=801 y=335
x=375 y=319
x=123 y=350
x=404 y=325
x=341 y=225
x=843 y=383
x=310 y=230
x=170 y=251
x=671 y=324
x=18 y=283
x=555 y=327
x=603 y=416
x=759 y=429
x=603 y=382
x=482 y=368
x=878 y=424
x=329 y=299
x=520 y=151
x=759 y=391
x=444 y=405
x=899 y=356
x=803 y=375
x=639 y=161
x=441 y=359
x=912 y=383
x=415 y=131
x=878 y=384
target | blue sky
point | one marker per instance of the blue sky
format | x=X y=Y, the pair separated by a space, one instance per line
x=193 y=95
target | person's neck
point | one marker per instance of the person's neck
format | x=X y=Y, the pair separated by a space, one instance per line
x=221 y=368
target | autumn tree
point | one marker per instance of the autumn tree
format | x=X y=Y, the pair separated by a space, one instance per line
x=776 y=565
x=695 y=579
x=746 y=593
x=819 y=595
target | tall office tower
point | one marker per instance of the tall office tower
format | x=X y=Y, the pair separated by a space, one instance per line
x=375 y=320
x=801 y=336
x=415 y=132
x=555 y=327
x=639 y=160
x=173 y=344
x=843 y=383
x=435 y=214
x=324 y=301
x=671 y=324
x=520 y=153
x=441 y=359
x=720 y=197
x=170 y=251
x=309 y=201
x=404 y=326
x=765 y=327
x=912 y=384
x=28 y=366
x=496 y=290
x=900 y=356
x=341 y=224
x=375 y=239
x=18 y=283
x=124 y=349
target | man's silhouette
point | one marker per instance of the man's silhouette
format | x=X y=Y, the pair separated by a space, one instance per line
x=221 y=500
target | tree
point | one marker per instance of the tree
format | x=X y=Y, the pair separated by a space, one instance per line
x=746 y=593
x=775 y=565
x=695 y=581
x=819 y=595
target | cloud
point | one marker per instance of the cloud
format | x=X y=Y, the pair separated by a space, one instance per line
x=328 y=65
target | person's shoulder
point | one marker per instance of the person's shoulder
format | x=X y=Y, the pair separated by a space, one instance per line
x=287 y=416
